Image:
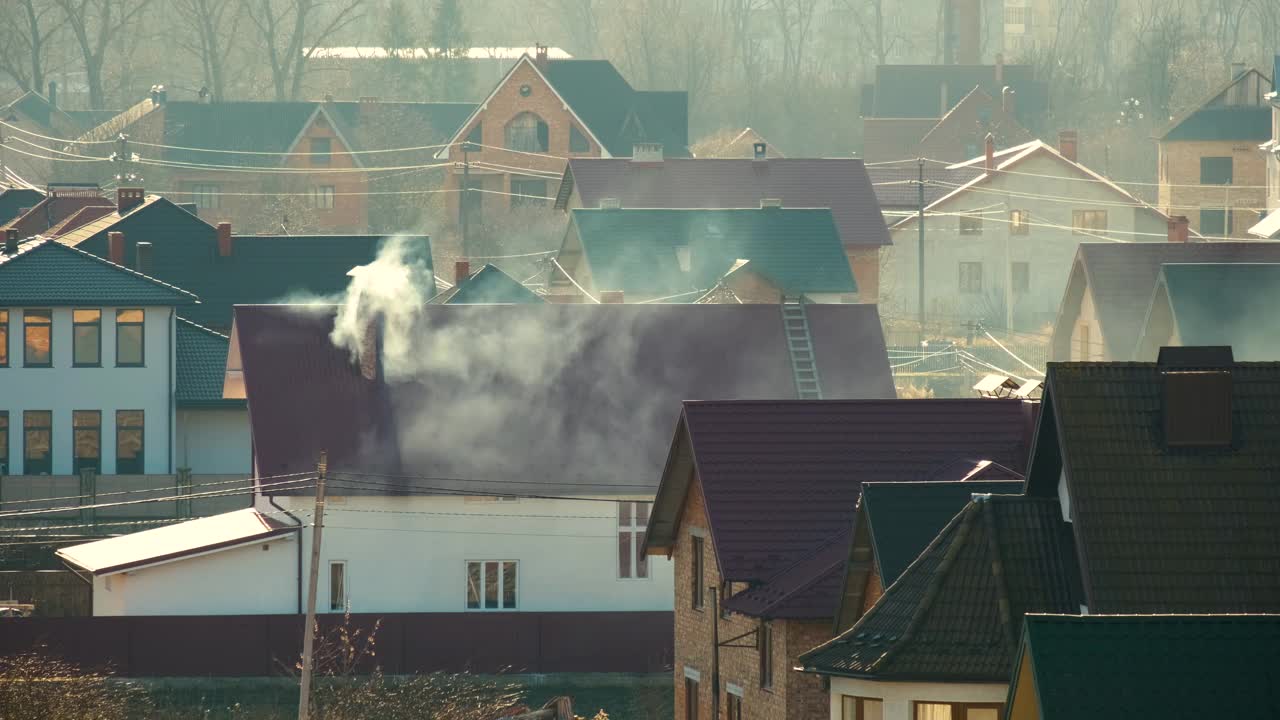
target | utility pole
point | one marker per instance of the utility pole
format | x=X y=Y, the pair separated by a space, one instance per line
x=715 y=655
x=309 y=631
x=920 y=244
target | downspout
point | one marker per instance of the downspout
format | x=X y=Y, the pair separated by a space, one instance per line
x=272 y=500
x=173 y=358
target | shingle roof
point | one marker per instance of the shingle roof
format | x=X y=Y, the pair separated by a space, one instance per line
x=1122 y=276
x=489 y=286
x=558 y=394
x=14 y=199
x=607 y=103
x=1162 y=529
x=1224 y=304
x=954 y=613
x=1161 y=666
x=805 y=590
x=1249 y=123
x=201 y=366
x=896 y=184
x=53 y=209
x=635 y=250
x=904 y=517
x=840 y=184
x=47 y=273
x=139 y=217
x=779 y=478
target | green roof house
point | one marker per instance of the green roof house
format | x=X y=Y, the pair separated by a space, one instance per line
x=488 y=286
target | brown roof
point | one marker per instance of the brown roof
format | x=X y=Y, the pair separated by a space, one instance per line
x=886 y=139
x=840 y=184
x=805 y=590
x=896 y=185
x=53 y=209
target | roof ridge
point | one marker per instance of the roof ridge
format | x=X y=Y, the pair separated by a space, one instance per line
x=996 y=566
x=198 y=326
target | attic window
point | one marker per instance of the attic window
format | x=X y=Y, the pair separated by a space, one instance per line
x=1197 y=408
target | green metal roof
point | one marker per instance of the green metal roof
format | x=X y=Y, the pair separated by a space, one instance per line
x=489 y=286
x=636 y=250
x=201 y=366
x=1226 y=304
x=616 y=113
x=1251 y=123
x=1153 y=666
x=45 y=272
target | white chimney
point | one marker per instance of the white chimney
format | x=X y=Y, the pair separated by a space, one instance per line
x=646 y=153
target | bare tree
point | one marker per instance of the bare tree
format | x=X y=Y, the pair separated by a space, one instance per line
x=290 y=31
x=25 y=42
x=211 y=30
x=795 y=24
x=96 y=26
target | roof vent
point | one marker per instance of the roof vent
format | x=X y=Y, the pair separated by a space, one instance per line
x=770 y=203
x=1197 y=396
x=760 y=151
x=610 y=203
x=646 y=153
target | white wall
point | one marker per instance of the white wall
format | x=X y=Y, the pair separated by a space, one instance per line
x=248 y=580
x=214 y=441
x=402 y=559
x=64 y=388
x=899 y=697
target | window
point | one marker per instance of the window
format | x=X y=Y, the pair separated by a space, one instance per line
x=633 y=517
x=206 y=197
x=86 y=429
x=527 y=133
x=321 y=149
x=86 y=338
x=4 y=442
x=130 y=342
x=695 y=573
x=476 y=134
x=321 y=197
x=37 y=338
x=1215 y=171
x=337 y=585
x=1215 y=222
x=860 y=708
x=1019 y=222
x=970 y=277
x=766 y=654
x=577 y=141
x=528 y=193
x=1020 y=276
x=970 y=224
x=690 y=698
x=1087 y=222
x=491 y=585
x=129 y=455
x=4 y=338
x=958 y=711
x=733 y=706
x=37 y=442
x=1015 y=15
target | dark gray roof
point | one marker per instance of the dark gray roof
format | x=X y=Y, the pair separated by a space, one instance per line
x=617 y=114
x=489 y=286
x=897 y=185
x=44 y=272
x=201 y=366
x=12 y=200
x=1224 y=304
x=1246 y=123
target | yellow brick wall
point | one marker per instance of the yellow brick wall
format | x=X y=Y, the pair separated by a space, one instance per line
x=1180 y=176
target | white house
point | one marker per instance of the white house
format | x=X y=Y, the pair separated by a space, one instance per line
x=998 y=248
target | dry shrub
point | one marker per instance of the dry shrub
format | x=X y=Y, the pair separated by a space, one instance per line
x=37 y=686
x=911 y=391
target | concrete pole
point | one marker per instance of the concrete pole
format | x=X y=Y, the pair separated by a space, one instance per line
x=309 y=631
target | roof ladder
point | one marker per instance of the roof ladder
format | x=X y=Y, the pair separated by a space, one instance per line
x=804 y=365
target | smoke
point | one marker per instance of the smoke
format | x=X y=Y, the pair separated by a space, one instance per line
x=391 y=290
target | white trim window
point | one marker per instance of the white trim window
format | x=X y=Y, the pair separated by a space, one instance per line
x=491 y=584
x=339 y=600
x=633 y=517
x=321 y=197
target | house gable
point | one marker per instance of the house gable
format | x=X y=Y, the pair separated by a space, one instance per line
x=321 y=125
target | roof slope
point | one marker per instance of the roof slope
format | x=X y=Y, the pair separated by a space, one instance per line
x=155 y=215
x=54 y=208
x=1122 y=276
x=573 y=393
x=1226 y=304
x=1125 y=666
x=1164 y=530
x=617 y=114
x=805 y=590
x=781 y=478
x=904 y=517
x=635 y=250
x=1244 y=123
x=897 y=185
x=489 y=286
x=44 y=272
x=840 y=184
x=954 y=614
x=201 y=366
x=12 y=200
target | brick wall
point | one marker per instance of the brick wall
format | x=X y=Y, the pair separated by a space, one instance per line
x=1180 y=173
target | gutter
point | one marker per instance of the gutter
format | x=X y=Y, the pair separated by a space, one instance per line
x=173 y=391
x=271 y=499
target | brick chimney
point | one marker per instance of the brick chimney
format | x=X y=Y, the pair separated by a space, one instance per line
x=11 y=241
x=991 y=152
x=461 y=270
x=1178 y=228
x=142 y=258
x=1068 y=144
x=115 y=247
x=540 y=55
x=369 y=342
x=611 y=297
x=224 y=239
x=127 y=198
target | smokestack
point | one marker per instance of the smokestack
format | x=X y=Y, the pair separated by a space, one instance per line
x=115 y=247
x=224 y=239
x=1178 y=228
x=991 y=152
x=128 y=198
x=11 y=241
x=1008 y=100
x=142 y=259
x=369 y=340
x=611 y=297
x=53 y=93
x=461 y=271
x=1068 y=144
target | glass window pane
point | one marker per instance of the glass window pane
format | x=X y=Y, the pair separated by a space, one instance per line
x=490 y=585
x=87 y=344
x=4 y=338
x=37 y=337
x=848 y=708
x=87 y=436
x=128 y=344
x=37 y=442
x=933 y=711
x=982 y=714
x=129 y=446
x=624 y=554
x=642 y=560
x=508 y=585
x=473 y=585
x=872 y=709
x=642 y=513
x=337 y=586
x=129 y=316
x=4 y=442
x=624 y=514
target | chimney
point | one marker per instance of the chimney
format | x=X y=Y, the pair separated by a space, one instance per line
x=770 y=203
x=1068 y=144
x=611 y=297
x=115 y=247
x=1178 y=228
x=127 y=198
x=540 y=55
x=999 y=69
x=760 y=151
x=461 y=271
x=991 y=152
x=646 y=153
x=1008 y=100
x=53 y=93
x=11 y=241
x=610 y=203
x=224 y=239
x=142 y=259
x=368 y=351
x=1197 y=396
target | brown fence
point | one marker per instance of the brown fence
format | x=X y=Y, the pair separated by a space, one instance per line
x=261 y=645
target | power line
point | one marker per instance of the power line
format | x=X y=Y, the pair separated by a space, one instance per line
x=401 y=488
x=575 y=282
x=249 y=480
x=190 y=496
x=493 y=482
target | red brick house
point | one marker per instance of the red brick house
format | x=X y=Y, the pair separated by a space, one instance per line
x=756 y=506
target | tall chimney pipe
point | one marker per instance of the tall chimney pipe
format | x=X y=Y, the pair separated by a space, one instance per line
x=461 y=271
x=127 y=198
x=991 y=152
x=142 y=259
x=11 y=241
x=1069 y=144
x=115 y=247
x=224 y=239
x=1178 y=228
